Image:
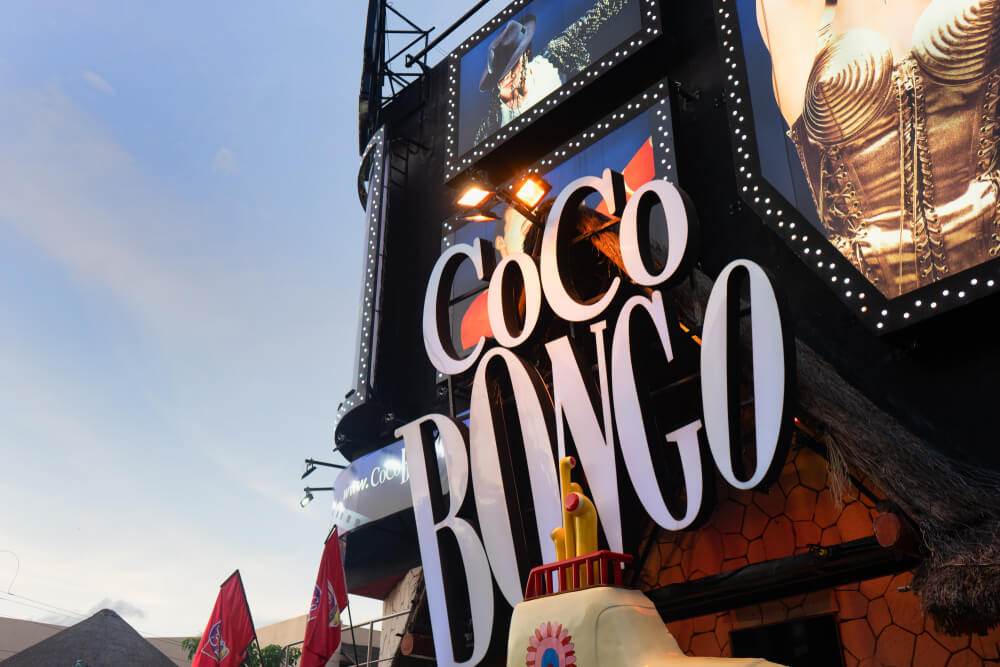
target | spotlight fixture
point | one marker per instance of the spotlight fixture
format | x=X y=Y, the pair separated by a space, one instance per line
x=475 y=196
x=481 y=216
x=308 y=498
x=478 y=196
x=532 y=190
x=312 y=463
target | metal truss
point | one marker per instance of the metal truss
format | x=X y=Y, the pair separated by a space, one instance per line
x=382 y=76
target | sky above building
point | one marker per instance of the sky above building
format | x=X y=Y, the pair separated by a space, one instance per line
x=180 y=263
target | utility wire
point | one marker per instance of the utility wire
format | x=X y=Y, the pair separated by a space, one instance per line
x=51 y=608
x=16 y=569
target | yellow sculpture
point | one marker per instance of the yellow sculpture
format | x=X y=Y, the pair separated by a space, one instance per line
x=578 y=534
x=592 y=619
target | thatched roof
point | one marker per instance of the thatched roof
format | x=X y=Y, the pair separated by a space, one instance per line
x=103 y=640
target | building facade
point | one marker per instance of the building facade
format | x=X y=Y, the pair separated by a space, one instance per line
x=754 y=305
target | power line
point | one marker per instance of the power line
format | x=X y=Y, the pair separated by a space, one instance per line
x=51 y=608
x=37 y=604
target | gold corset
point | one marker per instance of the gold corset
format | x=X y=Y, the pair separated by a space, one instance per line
x=901 y=156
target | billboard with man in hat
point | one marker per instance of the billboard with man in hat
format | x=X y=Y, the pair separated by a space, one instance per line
x=531 y=55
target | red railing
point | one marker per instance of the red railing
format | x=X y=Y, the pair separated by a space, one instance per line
x=601 y=568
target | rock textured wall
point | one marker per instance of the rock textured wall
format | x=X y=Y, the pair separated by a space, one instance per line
x=399 y=599
x=879 y=624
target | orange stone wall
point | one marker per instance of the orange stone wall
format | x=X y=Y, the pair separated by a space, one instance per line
x=879 y=623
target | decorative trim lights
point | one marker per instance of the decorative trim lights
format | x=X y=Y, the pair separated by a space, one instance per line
x=655 y=99
x=879 y=313
x=367 y=325
x=456 y=163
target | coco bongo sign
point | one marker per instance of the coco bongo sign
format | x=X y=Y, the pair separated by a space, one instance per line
x=490 y=553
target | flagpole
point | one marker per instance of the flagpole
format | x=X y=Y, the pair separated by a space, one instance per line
x=260 y=656
x=247 y=603
x=354 y=642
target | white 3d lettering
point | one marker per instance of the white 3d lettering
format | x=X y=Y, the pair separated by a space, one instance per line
x=593 y=427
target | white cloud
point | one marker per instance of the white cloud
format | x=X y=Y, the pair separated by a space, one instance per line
x=97 y=81
x=223 y=160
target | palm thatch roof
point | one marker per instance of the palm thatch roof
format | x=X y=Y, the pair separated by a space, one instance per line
x=103 y=639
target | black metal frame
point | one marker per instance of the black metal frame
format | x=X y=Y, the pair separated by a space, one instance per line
x=657 y=95
x=455 y=163
x=378 y=72
x=818 y=569
x=373 y=195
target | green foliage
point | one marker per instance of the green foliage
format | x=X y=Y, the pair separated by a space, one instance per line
x=269 y=656
x=191 y=645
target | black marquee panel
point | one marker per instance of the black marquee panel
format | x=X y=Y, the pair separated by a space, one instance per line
x=460 y=156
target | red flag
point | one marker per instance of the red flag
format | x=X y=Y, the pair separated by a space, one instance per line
x=329 y=599
x=229 y=632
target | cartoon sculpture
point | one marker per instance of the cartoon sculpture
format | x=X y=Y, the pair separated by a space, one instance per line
x=589 y=618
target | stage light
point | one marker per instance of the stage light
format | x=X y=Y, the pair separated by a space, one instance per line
x=481 y=216
x=312 y=463
x=308 y=498
x=474 y=197
x=532 y=190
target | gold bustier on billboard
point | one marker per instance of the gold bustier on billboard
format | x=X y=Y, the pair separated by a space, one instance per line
x=901 y=156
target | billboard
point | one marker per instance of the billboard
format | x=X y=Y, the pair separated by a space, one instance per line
x=879 y=126
x=375 y=486
x=529 y=57
x=634 y=140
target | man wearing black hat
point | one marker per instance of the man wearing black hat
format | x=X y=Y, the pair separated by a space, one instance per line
x=518 y=81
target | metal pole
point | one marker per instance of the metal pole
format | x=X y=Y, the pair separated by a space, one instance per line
x=354 y=642
x=412 y=59
x=368 y=653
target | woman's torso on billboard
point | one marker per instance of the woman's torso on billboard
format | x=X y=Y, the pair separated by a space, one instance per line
x=893 y=109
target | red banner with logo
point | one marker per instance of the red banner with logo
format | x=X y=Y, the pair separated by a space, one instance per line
x=230 y=631
x=328 y=601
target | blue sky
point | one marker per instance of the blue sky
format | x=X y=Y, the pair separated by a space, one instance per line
x=180 y=255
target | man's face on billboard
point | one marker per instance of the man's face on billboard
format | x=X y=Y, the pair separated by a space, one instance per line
x=515 y=231
x=511 y=86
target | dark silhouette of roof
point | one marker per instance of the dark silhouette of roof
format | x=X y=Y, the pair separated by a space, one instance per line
x=103 y=640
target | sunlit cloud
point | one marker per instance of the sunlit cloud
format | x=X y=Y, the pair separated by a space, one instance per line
x=97 y=82
x=68 y=187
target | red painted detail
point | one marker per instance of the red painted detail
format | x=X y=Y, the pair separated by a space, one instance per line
x=553 y=641
x=607 y=565
x=572 y=501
